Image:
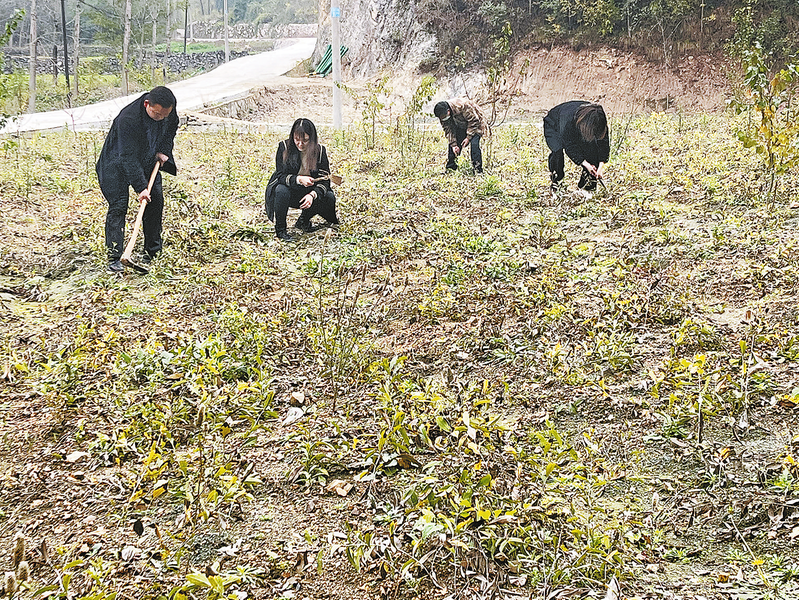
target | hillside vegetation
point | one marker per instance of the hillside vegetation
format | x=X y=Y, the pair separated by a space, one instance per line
x=470 y=390
x=662 y=30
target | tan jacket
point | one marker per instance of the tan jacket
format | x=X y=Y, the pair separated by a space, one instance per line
x=465 y=115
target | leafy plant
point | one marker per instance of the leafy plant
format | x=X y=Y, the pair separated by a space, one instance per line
x=409 y=125
x=774 y=134
x=6 y=91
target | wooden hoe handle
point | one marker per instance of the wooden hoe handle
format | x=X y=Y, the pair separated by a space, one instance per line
x=142 y=205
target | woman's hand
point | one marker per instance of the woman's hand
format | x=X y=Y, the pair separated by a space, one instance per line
x=590 y=168
x=307 y=200
x=305 y=180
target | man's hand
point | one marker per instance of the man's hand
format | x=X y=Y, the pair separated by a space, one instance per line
x=162 y=158
x=305 y=180
x=144 y=196
x=307 y=200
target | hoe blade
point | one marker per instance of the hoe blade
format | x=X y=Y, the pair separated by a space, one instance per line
x=136 y=267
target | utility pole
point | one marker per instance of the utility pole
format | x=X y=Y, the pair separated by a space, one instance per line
x=335 y=16
x=186 y=24
x=32 y=63
x=66 y=56
x=227 y=47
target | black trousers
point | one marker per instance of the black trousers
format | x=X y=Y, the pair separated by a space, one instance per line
x=476 y=153
x=115 y=191
x=286 y=198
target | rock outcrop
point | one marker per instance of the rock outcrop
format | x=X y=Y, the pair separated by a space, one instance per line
x=379 y=34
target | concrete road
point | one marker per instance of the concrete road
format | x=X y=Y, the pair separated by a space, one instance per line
x=227 y=81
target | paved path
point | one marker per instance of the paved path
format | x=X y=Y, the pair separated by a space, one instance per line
x=226 y=81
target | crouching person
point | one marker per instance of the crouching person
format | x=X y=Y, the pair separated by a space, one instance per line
x=301 y=180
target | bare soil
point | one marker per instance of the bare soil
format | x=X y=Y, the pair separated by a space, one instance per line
x=541 y=78
x=74 y=505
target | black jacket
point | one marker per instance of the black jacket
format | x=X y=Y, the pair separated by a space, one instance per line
x=126 y=152
x=560 y=130
x=286 y=173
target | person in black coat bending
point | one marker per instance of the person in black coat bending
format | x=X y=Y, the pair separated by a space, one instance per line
x=581 y=129
x=301 y=180
x=142 y=133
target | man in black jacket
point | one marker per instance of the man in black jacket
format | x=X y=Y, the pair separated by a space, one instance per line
x=142 y=133
x=581 y=129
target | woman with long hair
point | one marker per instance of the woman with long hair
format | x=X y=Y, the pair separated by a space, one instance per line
x=581 y=130
x=301 y=180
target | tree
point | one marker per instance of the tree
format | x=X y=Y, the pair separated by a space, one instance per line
x=668 y=15
x=5 y=37
x=125 y=46
x=32 y=62
x=775 y=133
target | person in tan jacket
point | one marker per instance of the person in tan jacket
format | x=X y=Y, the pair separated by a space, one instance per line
x=463 y=125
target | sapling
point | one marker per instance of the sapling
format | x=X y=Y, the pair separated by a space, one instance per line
x=19 y=549
x=200 y=416
x=10 y=584
x=23 y=571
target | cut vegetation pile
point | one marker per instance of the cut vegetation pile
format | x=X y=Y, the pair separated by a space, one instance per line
x=470 y=390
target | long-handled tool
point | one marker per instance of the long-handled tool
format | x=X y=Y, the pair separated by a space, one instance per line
x=126 y=256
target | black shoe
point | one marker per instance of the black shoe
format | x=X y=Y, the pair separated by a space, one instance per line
x=303 y=225
x=284 y=236
x=115 y=266
x=146 y=259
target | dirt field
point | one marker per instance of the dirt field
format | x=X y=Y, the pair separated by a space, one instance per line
x=541 y=78
x=506 y=386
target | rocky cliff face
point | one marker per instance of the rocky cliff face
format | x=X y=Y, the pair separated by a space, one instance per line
x=378 y=33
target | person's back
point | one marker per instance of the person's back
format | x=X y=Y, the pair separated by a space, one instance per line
x=579 y=129
x=463 y=124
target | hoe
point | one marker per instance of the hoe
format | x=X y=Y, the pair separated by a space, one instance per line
x=126 y=256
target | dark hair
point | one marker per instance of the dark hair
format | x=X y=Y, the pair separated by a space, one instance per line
x=592 y=122
x=291 y=155
x=162 y=96
x=440 y=110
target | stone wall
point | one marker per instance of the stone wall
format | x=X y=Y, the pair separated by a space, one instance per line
x=242 y=106
x=176 y=62
x=179 y=62
x=215 y=30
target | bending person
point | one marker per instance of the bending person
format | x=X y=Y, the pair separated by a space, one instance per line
x=142 y=133
x=581 y=130
x=464 y=125
x=301 y=180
